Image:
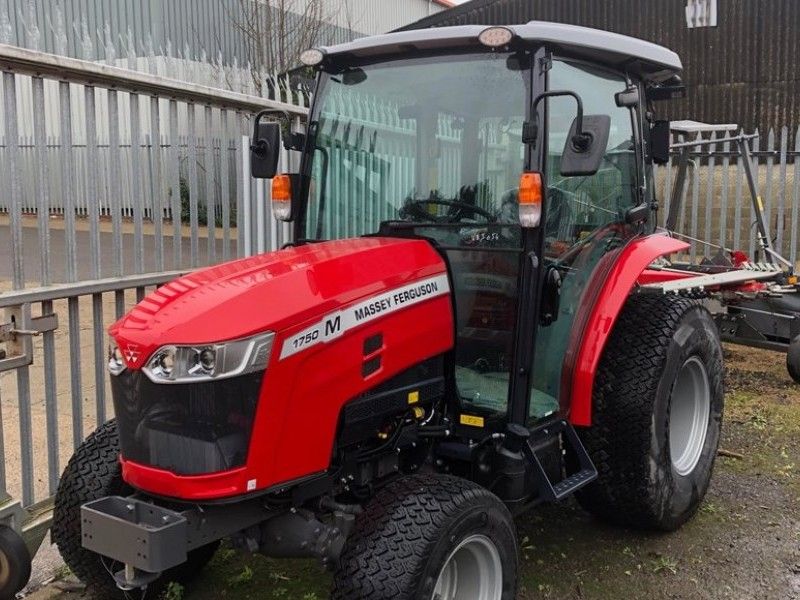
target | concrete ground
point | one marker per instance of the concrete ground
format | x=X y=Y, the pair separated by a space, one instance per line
x=743 y=545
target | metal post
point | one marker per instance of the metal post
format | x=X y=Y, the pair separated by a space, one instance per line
x=758 y=205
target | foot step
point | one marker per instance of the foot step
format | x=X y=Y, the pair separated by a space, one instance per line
x=554 y=491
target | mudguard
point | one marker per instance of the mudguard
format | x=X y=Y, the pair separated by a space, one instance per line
x=602 y=301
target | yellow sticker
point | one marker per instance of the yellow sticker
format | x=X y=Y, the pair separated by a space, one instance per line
x=760 y=203
x=472 y=420
x=413 y=397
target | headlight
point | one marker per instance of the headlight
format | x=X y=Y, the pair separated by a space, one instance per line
x=116 y=362
x=186 y=364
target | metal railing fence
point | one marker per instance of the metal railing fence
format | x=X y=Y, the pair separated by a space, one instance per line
x=88 y=226
x=716 y=203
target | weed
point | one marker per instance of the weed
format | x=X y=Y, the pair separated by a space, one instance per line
x=664 y=563
x=173 y=591
x=245 y=576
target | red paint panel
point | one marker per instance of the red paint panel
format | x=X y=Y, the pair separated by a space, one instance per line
x=621 y=276
x=270 y=292
x=303 y=394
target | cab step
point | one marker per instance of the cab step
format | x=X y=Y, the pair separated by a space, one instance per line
x=554 y=491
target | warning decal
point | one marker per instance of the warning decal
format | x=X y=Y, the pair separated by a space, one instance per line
x=335 y=324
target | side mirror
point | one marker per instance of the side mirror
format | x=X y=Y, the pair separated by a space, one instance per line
x=586 y=145
x=660 y=139
x=265 y=149
x=586 y=142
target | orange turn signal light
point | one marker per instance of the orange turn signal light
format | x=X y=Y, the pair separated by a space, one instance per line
x=530 y=188
x=530 y=199
x=281 y=188
x=282 y=197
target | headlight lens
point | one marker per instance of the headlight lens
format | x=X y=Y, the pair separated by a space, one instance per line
x=185 y=364
x=116 y=362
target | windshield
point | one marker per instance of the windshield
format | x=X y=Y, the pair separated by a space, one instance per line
x=430 y=140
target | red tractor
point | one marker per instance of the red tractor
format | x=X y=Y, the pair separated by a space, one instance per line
x=456 y=334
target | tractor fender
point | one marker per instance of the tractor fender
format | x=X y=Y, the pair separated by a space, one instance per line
x=601 y=304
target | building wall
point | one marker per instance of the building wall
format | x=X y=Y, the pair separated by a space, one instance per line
x=109 y=29
x=742 y=71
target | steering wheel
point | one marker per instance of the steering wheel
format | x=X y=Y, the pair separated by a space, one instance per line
x=451 y=217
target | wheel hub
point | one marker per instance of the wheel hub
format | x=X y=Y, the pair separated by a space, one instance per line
x=473 y=571
x=689 y=410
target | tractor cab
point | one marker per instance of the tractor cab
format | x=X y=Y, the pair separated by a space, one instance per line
x=456 y=333
x=451 y=136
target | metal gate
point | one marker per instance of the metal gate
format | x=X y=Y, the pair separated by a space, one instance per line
x=77 y=256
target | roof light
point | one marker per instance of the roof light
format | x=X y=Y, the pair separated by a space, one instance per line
x=312 y=57
x=530 y=199
x=495 y=37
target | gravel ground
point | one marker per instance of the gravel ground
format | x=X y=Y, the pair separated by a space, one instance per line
x=744 y=543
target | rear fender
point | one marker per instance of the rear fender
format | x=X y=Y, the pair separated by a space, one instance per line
x=602 y=301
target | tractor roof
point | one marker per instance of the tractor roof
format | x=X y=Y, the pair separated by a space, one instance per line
x=645 y=58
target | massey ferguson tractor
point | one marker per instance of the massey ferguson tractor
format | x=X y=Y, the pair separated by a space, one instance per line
x=465 y=325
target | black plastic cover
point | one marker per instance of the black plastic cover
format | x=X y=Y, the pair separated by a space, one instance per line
x=186 y=428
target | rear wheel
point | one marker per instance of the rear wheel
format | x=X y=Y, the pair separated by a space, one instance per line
x=94 y=472
x=793 y=359
x=429 y=537
x=658 y=401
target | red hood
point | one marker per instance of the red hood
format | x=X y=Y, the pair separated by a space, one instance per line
x=270 y=292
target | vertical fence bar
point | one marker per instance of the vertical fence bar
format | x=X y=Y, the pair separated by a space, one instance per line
x=695 y=205
x=18 y=282
x=94 y=244
x=208 y=176
x=137 y=189
x=780 y=224
x=751 y=231
x=40 y=188
x=115 y=178
x=68 y=172
x=12 y=148
x=710 y=188
x=92 y=188
x=42 y=193
x=156 y=186
x=261 y=225
x=192 y=173
x=244 y=213
x=795 y=199
x=768 y=199
x=175 y=184
x=225 y=191
x=723 y=221
x=99 y=358
x=667 y=171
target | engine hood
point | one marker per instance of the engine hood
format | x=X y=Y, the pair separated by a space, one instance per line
x=270 y=292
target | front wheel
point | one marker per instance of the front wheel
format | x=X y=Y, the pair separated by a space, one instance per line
x=658 y=399
x=94 y=472
x=430 y=537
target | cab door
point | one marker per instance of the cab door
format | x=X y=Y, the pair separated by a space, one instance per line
x=585 y=216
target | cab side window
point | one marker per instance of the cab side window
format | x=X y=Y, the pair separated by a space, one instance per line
x=585 y=215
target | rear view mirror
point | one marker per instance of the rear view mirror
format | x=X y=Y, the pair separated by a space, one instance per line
x=585 y=148
x=265 y=149
x=660 y=139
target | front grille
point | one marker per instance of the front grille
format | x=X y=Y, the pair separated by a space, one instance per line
x=186 y=428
